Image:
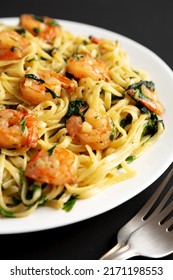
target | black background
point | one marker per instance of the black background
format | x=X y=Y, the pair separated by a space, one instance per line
x=147 y=22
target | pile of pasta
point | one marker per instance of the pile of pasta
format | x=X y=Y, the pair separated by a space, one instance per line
x=73 y=114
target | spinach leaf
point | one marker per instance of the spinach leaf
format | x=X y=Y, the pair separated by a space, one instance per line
x=129 y=159
x=152 y=125
x=112 y=135
x=34 y=77
x=38 y=18
x=21 y=172
x=23 y=124
x=77 y=107
x=50 y=151
x=70 y=203
x=149 y=84
x=20 y=31
x=6 y=213
x=51 y=92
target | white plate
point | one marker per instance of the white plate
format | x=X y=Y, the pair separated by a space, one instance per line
x=149 y=167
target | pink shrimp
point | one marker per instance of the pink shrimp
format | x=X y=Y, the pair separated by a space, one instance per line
x=45 y=85
x=44 y=27
x=84 y=65
x=145 y=93
x=18 y=128
x=55 y=166
x=12 y=45
x=95 y=131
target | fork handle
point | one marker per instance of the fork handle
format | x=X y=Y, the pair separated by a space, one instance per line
x=123 y=253
x=111 y=251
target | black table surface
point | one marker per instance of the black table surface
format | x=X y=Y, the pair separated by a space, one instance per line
x=147 y=22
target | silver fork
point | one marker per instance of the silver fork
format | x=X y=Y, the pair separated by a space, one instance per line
x=154 y=239
x=150 y=212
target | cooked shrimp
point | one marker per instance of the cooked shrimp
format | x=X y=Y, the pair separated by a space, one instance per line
x=145 y=93
x=12 y=45
x=44 y=27
x=45 y=85
x=95 y=131
x=84 y=65
x=18 y=128
x=56 y=166
x=95 y=40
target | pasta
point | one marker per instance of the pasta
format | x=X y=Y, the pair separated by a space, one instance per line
x=73 y=114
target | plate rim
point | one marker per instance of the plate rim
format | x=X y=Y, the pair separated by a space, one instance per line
x=4 y=221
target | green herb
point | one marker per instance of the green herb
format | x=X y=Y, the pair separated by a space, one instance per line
x=78 y=56
x=34 y=77
x=32 y=59
x=39 y=18
x=65 y=59
x=6 y=213
x=12 y=49
x=151 y=127
x=102 y=92
x=70 y=203
x=149 y=84
x=51 y=92
x=50 y=51
x=77 y=107
x=129 y=159
x=114 y=97
x=21 y=172
x=136 y=91
x=21 y=31
x=85 y=42
x=36 y=30
x=144 y=110
x=125 y=121
x=50 y=151
x=35 y=187
x=42 y=200
x=16 y=200
x=53 y=23
x=112 y=135
x=23 y=124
